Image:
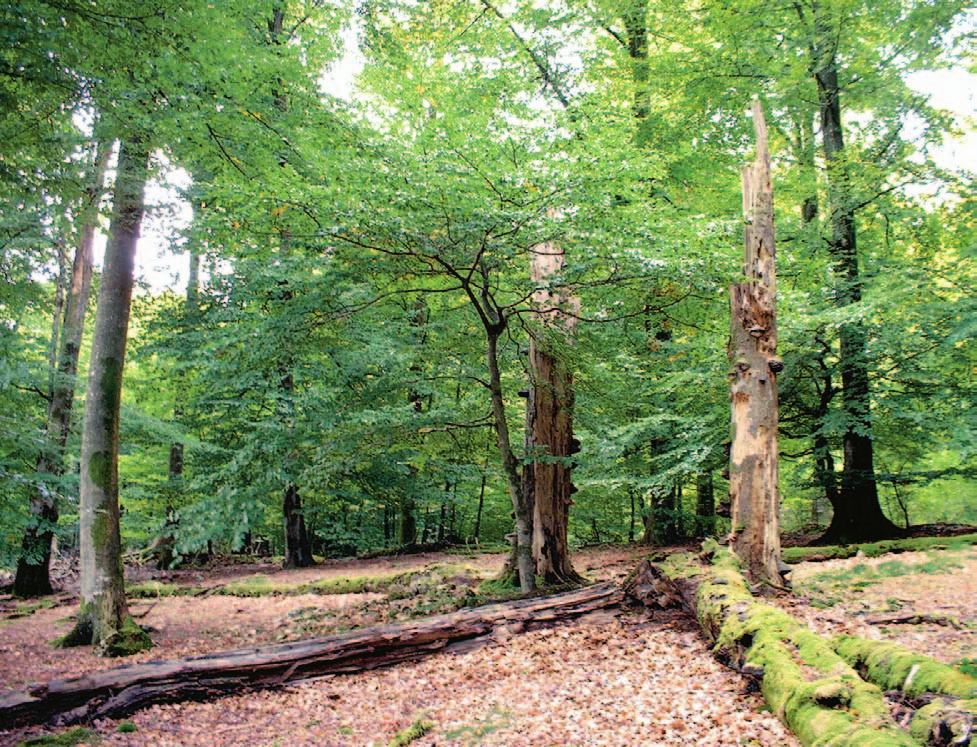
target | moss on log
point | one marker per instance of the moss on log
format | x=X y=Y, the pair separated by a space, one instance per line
x=876 y=549
x=810 y=687
x=893 y=667
x=945 y=722
x=949 y=718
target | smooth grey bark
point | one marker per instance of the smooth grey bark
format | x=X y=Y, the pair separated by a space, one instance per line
x=104 y=619
x=33 y=567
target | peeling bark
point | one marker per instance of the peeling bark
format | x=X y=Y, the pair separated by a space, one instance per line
x=753 y=466
x=549 y=421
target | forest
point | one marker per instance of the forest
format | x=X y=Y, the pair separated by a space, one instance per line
x=296 y=283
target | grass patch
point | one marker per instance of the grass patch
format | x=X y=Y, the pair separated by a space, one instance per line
x=26 y=609
x=828 y=588
x=967 y=666
x=471 y=735
x=70 y=738
x=418 y=729
x=876 y=549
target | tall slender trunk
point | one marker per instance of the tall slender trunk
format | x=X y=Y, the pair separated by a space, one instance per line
x=521 y=507
x=857 y=513
x=104 y=618
x=33 y=568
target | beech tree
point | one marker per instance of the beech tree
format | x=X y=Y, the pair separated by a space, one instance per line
x=33 y=567
x=103 y=618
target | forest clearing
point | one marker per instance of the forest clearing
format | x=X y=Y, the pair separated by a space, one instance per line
x=631 y=676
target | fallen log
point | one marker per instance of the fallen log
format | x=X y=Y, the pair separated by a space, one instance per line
x=811 y=688
x=948 y=714
x=118 y=692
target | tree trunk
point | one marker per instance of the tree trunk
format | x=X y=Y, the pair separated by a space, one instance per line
x=705 y=503
x=857 y=513
x=522 y=508
x=103 y=618
x=753 y=465
x=478 y=515
x=298 y=546
x=117 y=693
x=811 y=689
x=549 y=416
x=33 y=567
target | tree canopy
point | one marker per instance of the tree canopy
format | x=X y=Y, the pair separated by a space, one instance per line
x=361 y=297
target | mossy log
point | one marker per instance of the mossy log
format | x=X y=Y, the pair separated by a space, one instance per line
x=807 y=684
x=118 y=692
x=893 y=667
x=945 y=720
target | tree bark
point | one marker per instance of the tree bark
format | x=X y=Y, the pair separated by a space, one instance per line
x=857 y=513
x=104 y=619
x=117 y=693
x=298 y=546
x=522 y=508
x=753 y=466
x=549 y=416
x=33 y=567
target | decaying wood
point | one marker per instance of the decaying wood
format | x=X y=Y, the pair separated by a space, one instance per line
x=828 y=692
x=944 y=697
x=753 y=459
x=914 y=618
x=118 y=692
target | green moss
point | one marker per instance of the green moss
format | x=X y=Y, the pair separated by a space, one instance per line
x=79 y=635
x=415 y=731
x=875 y=549
x=69 y=738
x=892 y=667
x=155 y=589
x=126 y=727
x=26 y=609
x=929 y=722
x=967 y=666
x=819 y=697
x=100 y=469
x=129 y=639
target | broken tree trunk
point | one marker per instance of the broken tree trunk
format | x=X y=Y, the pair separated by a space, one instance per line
x=815 y=691
x=549 y=417
x=753 y=468
x=945 y=697
x=118 y=692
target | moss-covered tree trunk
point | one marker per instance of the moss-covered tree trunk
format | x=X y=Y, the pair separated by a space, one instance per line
x=104 y=619
x=753 y=464
x=33 y=567
x=805 y=682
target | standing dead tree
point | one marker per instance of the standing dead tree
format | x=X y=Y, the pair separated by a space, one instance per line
x=753 y=469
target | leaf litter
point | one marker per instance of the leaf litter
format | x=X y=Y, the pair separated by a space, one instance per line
x=635 y=678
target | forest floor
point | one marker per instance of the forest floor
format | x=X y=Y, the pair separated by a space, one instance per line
x=640 y=677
